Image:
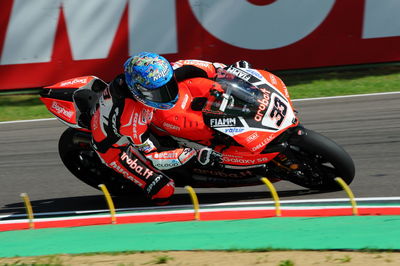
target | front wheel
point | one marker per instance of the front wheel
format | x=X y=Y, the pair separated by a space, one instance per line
x=318 y=161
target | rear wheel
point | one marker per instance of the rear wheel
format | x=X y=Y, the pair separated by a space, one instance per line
x=81 y=160
x=315 y=161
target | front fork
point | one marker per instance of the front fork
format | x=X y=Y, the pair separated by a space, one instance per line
x=285 y=163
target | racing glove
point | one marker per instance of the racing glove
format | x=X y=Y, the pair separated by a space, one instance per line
x=208 y=157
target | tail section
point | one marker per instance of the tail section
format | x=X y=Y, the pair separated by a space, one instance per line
x=72 y=101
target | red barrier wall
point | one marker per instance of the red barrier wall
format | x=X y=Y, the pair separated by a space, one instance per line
x=45 y=41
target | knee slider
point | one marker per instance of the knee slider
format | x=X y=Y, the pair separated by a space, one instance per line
x=161 y=188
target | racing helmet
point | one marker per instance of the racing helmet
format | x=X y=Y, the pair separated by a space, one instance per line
x=151 y=80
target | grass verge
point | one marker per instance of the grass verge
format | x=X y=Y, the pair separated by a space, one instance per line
x=301 y=84
x=342 y=82
x=22 y=107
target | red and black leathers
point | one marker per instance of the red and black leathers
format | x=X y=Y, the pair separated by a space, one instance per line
x=122 y=140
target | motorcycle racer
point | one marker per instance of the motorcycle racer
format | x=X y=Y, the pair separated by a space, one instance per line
x=219 y=127
x=120 y=124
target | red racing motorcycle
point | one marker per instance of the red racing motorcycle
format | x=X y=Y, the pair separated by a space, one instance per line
x=246 y=118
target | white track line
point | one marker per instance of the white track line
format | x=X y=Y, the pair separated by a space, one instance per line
x=156 y=209
x=23 y=121
x=13 y=221
x=346 y=96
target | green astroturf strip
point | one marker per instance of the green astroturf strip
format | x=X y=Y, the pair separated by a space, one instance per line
x=344 y=232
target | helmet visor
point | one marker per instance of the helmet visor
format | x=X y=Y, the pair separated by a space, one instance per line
x=163 y=94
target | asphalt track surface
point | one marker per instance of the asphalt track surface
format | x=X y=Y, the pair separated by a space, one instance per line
x=368 y=127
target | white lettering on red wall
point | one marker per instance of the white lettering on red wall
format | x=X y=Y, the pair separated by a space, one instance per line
x=377 y=15
x=45 y=41
x=91 y=28
x=261 y=27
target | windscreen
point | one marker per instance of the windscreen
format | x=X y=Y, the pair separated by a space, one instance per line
x=239 y=98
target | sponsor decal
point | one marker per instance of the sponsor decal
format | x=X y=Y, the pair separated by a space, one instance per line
x=239 y=160
x=262 y=160
x=61 y=110
x=239 y=73
x=186 y=155
x=125 y=173
x=164 y=160
x=220 y=173
x=184 y=102
x=114 y=122
x=166 y=166
x=171 y=126
x=233 y=130
x=74 y=81
x=252 y=137
x=222 y=122
x=134 y=126
x=285 y=90
x=255 y=73
x=166 y=155
x=244 y=161
x=152 y=184
x=273 y=79
x=264 y=102
x=135 y=166
x=198 y=63
x=263 y=143
x=176 y=65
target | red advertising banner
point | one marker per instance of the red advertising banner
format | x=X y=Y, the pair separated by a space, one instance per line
x=45 y=41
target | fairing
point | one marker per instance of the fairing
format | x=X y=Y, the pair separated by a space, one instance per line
x=183 y=121
x=252 y=107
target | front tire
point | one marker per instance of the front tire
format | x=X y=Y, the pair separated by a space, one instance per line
x=322 y=161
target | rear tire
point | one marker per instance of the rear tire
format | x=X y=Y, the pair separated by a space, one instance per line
x=81 y=160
